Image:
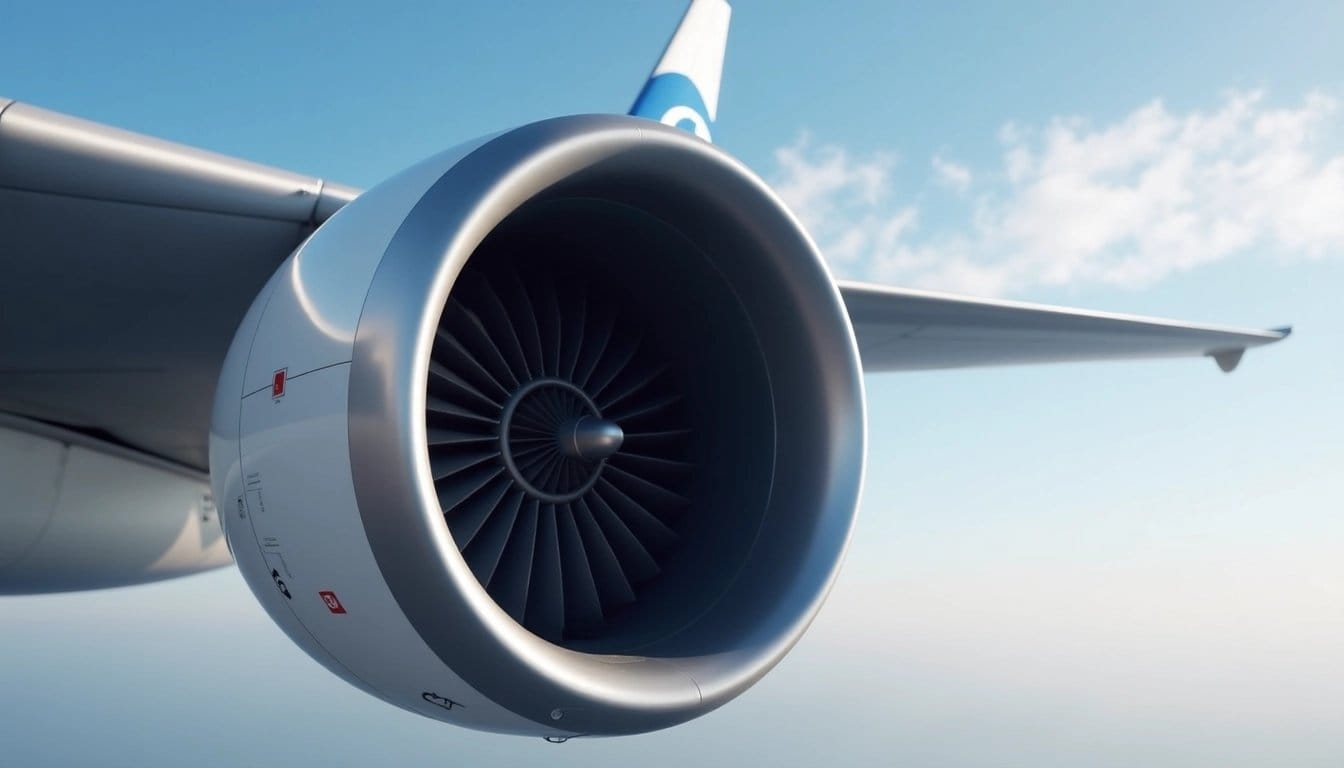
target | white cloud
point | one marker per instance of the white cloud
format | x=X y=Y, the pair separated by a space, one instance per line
x=952 y=175
x=1124 y=204
x=844 y=202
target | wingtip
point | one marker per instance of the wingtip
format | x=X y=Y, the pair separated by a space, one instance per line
x=1229 y=359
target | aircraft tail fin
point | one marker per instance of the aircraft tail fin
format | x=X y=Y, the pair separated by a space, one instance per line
x=683 y=90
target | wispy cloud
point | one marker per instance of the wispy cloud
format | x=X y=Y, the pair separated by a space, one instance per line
x=1126 y=203
x=845 y=202
x=952 y=175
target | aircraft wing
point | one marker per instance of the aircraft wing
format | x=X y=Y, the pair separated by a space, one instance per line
x=908 y=330
x=128 y=263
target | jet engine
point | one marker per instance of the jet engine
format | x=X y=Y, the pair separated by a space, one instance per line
x=557 y=433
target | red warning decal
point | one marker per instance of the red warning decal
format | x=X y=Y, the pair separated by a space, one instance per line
x=278 y=383
x=333 y=603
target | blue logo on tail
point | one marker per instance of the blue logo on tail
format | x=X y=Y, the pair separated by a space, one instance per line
x=672 y=99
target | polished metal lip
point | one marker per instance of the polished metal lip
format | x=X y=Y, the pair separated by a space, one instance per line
x=414 y=550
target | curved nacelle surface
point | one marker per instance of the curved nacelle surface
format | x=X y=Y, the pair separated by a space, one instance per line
x=560 y=432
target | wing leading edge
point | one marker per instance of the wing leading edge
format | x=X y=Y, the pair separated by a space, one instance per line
x=908 y=330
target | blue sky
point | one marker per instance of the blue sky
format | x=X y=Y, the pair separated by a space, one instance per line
x=1110 y=564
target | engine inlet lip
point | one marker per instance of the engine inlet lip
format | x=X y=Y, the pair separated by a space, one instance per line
x=479 y=186
x=506 y=446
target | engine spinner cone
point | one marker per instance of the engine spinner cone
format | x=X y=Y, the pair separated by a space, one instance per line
x=589 y=438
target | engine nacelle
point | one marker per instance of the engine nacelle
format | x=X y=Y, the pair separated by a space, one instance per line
x=557 y=433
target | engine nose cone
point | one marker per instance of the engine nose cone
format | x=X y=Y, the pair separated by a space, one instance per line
x=589 y=438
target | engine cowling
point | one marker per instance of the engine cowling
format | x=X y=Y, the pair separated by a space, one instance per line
x=558 y=433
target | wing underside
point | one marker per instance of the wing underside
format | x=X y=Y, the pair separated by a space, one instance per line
x=908 y=330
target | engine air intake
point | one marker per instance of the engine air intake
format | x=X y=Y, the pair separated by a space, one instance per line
x=558 y=443
x=574 y=429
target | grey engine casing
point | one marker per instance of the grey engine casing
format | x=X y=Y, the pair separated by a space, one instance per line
x=388 y=446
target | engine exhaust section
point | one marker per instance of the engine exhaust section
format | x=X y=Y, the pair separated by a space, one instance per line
x=557 y=433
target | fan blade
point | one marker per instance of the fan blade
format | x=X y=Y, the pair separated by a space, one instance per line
x=552 y=323
x=459 y=414
x=467 y=519
x=455 y=489
x=583 y=604
x=445 y=437
x=635 y=560
x=509 y=586
x=482 y=342
x=443 y=464
x=620 y=351
x=552 y=472
x=458 y=390
x=603 y=324
x=455 y=356
x=525 y=323
x=486 y=547
x=494 y=314
x=630 y=385
x=608 y=576
x=534 y=466
x=652 y=532
x=546 y=595
x=648 y=493
x=638 y=411
x=650 y=465
x=573 y=329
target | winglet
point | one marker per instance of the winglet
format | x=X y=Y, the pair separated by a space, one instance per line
x=1229 y=359
x=683 y=90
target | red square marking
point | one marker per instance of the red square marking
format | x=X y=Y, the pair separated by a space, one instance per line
x=278 y=383
x=333 y=604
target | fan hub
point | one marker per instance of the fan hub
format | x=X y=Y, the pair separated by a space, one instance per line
x=553 y=440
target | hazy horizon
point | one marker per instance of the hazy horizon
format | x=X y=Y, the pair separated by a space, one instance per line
x=1106 y=565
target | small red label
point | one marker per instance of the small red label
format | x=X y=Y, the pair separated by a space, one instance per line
x=333 y=604
x=278 y=383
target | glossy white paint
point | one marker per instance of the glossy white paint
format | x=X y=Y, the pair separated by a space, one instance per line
x=697 y=50
x=298 y=524
x=285 y=471
x=321 y=288
x=82 y=514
